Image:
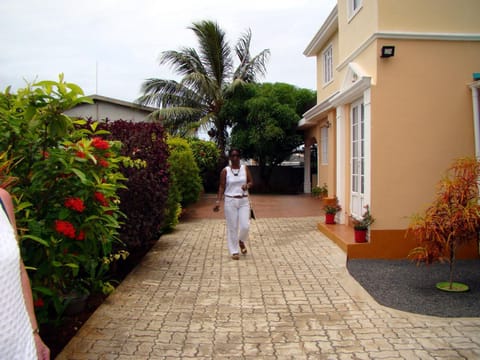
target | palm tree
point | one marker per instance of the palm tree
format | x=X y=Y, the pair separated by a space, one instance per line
x=208 y=78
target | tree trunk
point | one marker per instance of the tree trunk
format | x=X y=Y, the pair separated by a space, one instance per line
x=452 y=261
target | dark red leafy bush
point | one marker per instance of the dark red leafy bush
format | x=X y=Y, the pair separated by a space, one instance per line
x=145 y=199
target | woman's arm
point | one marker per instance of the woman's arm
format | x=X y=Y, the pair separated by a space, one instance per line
x=249 y=183
x=221 y=189
x=42 y=350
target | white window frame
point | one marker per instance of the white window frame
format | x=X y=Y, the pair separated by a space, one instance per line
x=358 y=144
x=353 y=7
x=324 y=145
x=327 y=57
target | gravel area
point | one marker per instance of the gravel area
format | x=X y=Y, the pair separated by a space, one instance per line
x=402 y=285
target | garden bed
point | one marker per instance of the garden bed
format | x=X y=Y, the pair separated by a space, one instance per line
x=57 y=337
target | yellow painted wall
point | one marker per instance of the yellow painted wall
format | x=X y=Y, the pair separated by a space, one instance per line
x=358 y=29
x=440 y=16
x=421 y=121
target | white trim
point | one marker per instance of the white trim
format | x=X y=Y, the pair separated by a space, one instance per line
x=353 y=92
x=328 y=28
x=405 y=36
x=327 y=65
x=356 y=206
x=475 y=86
x=367 y=112
x=340 y=162
x=310 y=115
x=352 y=12
x=428 y=36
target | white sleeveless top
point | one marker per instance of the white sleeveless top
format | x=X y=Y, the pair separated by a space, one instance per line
x=16 y=337
x=235 y=179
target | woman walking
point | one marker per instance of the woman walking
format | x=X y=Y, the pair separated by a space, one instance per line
x=235 y=181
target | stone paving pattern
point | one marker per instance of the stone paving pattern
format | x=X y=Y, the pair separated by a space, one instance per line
x=290 y=297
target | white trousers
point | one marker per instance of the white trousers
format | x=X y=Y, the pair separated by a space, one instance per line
x=237 y=215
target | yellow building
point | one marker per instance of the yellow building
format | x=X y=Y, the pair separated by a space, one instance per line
x=398 y=102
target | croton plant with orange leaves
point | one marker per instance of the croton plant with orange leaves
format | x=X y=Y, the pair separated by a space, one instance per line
x=452 y=219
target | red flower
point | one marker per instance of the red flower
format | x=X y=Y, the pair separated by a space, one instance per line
x=45 y=154
x=75 y=204
x=38 y=303
x=100 y=198
x=81 y=235
x=80 y=154
x=65 y=228
x=100 y=144
x=103 y=163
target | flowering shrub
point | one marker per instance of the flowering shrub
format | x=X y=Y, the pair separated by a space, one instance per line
x=66 y=197
x=69 y=219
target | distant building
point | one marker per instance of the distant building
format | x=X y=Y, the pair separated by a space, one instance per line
x=112 y=109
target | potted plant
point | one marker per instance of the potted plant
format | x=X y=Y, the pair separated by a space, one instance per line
x=331 y=210
x=320 y=191
x=451 y=220
x=360 y=226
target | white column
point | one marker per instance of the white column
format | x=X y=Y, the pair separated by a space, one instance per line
x=368 y=144
x=341 y=162
x=307 y=183
x=476 y=117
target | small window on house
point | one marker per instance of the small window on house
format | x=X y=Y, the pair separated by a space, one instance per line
x=328 y=65
x=324 y=143
x=354 y=7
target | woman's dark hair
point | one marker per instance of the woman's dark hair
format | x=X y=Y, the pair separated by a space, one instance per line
x=232 y=150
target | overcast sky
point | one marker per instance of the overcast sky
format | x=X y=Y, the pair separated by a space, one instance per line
x=110 y=47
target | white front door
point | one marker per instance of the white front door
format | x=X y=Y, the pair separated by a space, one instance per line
x=357 y=160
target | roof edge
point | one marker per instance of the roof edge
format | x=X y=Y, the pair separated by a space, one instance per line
x=328 y=28
x=120 y=102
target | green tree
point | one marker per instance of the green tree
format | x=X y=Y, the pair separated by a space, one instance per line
x=208 y=77
x=266 y=118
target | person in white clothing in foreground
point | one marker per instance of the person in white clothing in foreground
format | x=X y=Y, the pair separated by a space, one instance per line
x=235 y=181
x=19 y=335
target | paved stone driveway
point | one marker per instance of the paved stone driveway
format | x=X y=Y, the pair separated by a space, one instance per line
x=289 y=298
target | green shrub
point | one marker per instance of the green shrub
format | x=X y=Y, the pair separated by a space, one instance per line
x=185 y=170
x=67 y=203
x=173 y=208
x=320 y=191
x=206 y=156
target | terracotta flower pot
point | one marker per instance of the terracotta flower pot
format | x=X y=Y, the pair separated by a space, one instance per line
x=360 y=236
x=329 y=218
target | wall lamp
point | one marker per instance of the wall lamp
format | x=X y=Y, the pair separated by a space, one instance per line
x=387 y=51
